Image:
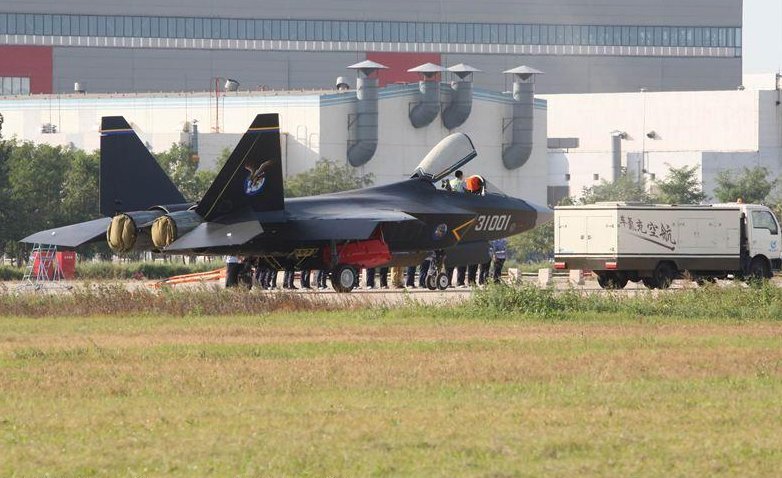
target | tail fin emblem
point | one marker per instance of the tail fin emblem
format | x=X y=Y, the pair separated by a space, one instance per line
x=255 y=181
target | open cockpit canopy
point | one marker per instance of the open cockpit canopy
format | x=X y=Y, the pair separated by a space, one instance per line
x=444 y=159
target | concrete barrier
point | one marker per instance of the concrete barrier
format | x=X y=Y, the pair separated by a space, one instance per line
x=577 y=277
x=545 y=277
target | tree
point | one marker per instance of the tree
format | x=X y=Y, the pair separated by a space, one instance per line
x=181 y=165
x=533 y=246
x=537 y=244
x=6 y=205
x=681 y=186
x=326 y=177
x=623 y=189
x=80 y=200
x=751 y=185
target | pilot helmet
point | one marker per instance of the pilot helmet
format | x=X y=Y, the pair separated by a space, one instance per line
x=474 y=184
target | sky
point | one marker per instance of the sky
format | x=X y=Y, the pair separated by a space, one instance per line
x=762 y=36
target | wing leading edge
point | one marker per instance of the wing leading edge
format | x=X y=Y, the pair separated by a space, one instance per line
x=71 y=236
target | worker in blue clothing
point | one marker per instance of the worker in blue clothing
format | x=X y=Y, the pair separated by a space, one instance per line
x=305 y=279
x=499 y=252
x=321 y=277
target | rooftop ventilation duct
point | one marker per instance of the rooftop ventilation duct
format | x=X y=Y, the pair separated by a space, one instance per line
x=342 y=84
x=231 y=85
x=460 y=104
x=363 y=144
x=427 y=108
x=516 y=153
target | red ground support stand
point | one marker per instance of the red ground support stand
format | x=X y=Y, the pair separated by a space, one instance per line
x=363 y=254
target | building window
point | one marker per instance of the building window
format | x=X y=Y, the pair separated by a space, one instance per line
x=388 y=31
x=14 y=85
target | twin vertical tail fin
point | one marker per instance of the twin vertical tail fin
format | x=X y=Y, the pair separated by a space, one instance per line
x=252 y=177
x=130 y=177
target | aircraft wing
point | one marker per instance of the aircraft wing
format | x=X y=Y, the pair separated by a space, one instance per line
x=71 y=236
x=348 y=226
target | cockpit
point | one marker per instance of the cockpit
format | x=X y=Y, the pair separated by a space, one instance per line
x=447 y=157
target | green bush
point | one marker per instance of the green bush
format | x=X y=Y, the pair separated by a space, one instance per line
x=732 y=302
x=11 y=273
x=131 y=270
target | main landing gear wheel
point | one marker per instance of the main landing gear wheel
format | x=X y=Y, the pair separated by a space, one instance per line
x=431 y=282
x=343 y=278
x=443 y=281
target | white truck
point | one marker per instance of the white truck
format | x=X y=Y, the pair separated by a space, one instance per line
x=656 y=244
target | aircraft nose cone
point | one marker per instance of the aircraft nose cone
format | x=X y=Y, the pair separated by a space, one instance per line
x=544 y=215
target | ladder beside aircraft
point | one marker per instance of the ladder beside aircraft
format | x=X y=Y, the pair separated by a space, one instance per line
x=43 y=267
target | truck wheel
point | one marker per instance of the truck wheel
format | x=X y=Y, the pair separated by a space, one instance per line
x=649 y=283
x=759 y=270
x=343 y=278
x=612 y=281
x=664 y=275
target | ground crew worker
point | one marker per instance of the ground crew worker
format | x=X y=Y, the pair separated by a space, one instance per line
x=425 y=266
x=383 y=277
x=472 y=274
x=449 y=273
x=457 y=184
x=461 y=273
x=287 y=279
x=245 y=275
x=499 y=252
x=272 y=279
x=232 y=266
x=483 y=272
x=410 y=280
x=260 y=272
x=305 y=279
x=321 y=278
x=371 y=278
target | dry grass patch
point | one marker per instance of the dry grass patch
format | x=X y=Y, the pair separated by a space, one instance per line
x=339 y=394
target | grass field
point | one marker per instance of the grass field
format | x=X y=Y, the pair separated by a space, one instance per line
x=390 y=393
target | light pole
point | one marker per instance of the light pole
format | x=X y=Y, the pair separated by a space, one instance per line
x=642 y=168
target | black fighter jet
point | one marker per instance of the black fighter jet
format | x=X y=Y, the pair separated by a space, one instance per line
x=245 y=213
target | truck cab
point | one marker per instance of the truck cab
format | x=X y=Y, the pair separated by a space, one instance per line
x=762 y=231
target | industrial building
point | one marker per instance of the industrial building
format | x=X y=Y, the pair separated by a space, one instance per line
x=645 y=133
x=110 y=46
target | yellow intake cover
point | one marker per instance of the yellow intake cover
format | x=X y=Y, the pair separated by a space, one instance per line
x=121 y=234
x=164 y=232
